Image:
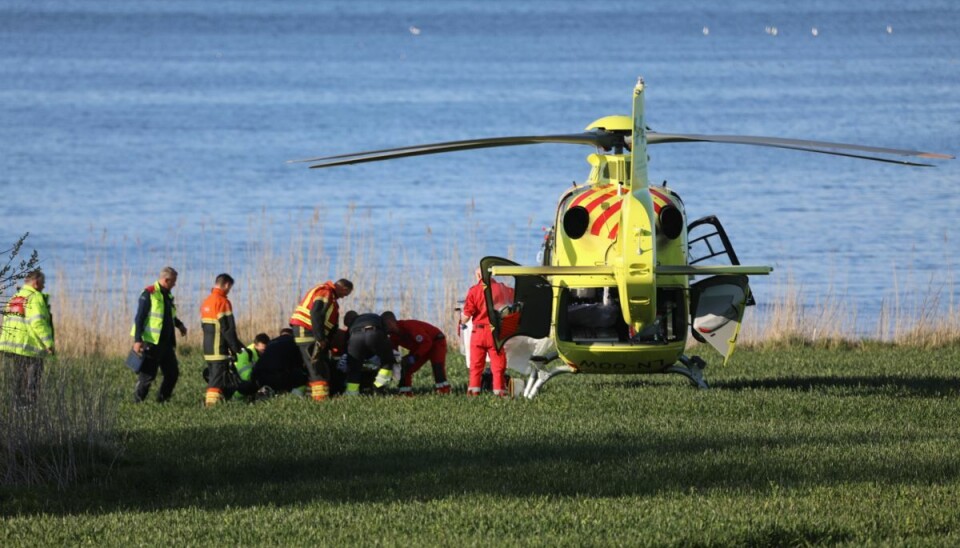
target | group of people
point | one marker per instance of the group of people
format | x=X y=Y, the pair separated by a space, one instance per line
x=313 y=356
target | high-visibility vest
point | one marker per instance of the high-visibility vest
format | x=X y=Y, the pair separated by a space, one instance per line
x=245 y=362
x=151 y=331
x=27 y=327
x=325 y=292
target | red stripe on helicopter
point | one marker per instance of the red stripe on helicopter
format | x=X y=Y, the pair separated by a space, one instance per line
x=603 y=198
x=602 y=219
x=583 y=196
x=663 y=198
x=613 y=232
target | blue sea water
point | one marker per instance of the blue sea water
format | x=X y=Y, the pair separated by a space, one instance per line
x=127 y=125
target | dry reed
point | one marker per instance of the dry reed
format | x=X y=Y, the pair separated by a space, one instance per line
x=94 y=302
x=66 y=435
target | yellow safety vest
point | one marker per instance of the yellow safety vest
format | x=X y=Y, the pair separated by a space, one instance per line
x=151 y=331
x=27 y=324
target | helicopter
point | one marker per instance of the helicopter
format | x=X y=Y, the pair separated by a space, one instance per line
x=614 y=292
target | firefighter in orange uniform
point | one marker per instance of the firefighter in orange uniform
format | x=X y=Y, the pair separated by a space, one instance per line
x=220 y=341
x=423 y=342
x=481 y=339
x=315 y=322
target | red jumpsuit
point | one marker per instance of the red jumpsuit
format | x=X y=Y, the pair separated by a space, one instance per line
x=481 y=339
x=423 y=342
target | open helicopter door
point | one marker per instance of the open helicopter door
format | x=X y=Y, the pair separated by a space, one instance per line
x=717 y=305
x=517 y=305
x=708 y=244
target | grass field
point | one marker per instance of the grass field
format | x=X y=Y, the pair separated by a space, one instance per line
x=790 y=447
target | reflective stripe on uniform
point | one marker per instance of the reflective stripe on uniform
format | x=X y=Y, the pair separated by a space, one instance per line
x=301 y=313
x=154 y=324
x=22 y=347
x=27 y=327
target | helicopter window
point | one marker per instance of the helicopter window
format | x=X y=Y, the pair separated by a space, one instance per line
x=575 y=221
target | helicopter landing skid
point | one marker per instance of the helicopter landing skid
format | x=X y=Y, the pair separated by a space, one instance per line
x=541 y=373
x=692 y=368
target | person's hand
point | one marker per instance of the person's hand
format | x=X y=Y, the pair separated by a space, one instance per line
x=138 y=348
x=183 y=330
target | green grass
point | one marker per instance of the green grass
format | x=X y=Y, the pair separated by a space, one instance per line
x=791 y=447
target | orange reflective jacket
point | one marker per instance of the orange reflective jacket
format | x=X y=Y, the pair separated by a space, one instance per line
x=326 y=294
x=219 y=327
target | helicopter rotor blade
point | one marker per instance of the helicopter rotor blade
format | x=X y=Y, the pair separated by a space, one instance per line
x=607 y=140
x=799 y=144
x=600 y=139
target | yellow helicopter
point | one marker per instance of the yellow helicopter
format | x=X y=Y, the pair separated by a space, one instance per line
x=613 y=292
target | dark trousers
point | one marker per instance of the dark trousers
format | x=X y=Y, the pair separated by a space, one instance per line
x=218 y=377
x=163 y=358
x=365 y=343
x=315 y=360
x=26 y=372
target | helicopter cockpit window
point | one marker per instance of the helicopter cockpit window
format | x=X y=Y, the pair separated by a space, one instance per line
x=575 y=221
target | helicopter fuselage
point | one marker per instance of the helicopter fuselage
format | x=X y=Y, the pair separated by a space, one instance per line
x=602 y=323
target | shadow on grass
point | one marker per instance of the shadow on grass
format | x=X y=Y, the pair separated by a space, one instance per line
x=932 y=386
x=198 y=468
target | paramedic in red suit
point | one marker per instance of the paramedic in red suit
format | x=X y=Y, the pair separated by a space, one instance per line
x=423 y=342
x=481 y=339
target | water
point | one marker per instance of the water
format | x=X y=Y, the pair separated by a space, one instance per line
x=127 y=124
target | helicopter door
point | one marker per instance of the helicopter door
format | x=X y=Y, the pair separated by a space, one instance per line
x=717 y=305
x=517 y=305
x=706 y=240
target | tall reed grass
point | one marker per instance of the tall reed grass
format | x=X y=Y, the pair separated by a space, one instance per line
x=94 y=302
x=66 y=435
x=794 y=316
